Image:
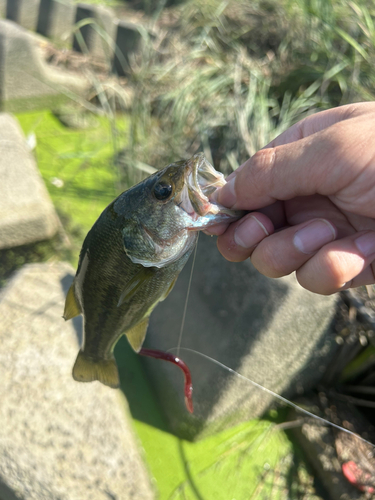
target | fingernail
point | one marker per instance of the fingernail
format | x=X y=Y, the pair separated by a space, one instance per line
x=366 y=244
x=313 y=236
x=250 y=232
x=226 y=195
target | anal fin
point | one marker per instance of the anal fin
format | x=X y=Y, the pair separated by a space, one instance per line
x=72 y=308
x=86 y=369
x=137 y=334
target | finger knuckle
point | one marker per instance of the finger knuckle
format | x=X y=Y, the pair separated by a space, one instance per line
x=263 y=160
x=355 y=109
x=259 y=174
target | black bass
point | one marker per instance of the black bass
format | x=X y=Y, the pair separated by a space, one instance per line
x=132 y=256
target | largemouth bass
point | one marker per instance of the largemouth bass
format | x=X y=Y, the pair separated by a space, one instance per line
x=132 y=256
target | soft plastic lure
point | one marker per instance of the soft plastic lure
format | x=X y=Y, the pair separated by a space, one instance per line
x=167 y=356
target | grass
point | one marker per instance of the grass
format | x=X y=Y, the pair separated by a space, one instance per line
x=228 y=76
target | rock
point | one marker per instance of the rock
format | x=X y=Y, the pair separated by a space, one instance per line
x=128 y=41
x=26 y=211
x=56 y=18
x=59 y=439
x=26 y=81
x=272 y=331
x=97 y=38
x=23 y=12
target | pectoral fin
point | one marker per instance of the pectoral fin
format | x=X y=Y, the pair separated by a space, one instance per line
x=137 y=335
x=134 y=284
x=72 y=308
x=169 y=289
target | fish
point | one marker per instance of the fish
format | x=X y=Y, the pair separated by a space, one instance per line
x=131 y=258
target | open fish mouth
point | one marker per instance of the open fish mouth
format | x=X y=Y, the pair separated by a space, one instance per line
x=201 y=181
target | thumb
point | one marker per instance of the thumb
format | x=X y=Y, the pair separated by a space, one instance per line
x=322 y=163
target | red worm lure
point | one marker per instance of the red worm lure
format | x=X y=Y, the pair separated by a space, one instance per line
x=167 y=356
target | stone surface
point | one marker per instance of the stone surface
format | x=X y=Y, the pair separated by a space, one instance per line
x=98 y=36
x=128 y=39
x=26 y=81
x=23 y=12
x=272 y=331
x=26 y=211
x=56 y=18
x=59 y=439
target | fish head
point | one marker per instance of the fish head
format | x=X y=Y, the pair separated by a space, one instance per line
x=163 y=213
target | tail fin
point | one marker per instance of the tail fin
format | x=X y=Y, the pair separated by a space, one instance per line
x=86 y=369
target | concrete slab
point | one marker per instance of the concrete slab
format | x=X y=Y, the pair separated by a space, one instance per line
x=98 y=34
x=23 y=12
x=128 y=40
x=26 y=81
x=59 y=439
x=26 y=210
x=56 y=19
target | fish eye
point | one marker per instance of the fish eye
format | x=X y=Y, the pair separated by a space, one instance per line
x=162 y=190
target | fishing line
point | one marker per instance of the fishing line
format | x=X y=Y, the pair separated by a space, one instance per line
x=187 y=299
x=274 y=394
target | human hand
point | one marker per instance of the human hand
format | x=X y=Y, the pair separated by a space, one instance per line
x=312 y=193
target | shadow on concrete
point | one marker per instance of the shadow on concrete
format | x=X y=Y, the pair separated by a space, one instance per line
x=6 y=493
x=230 y=306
